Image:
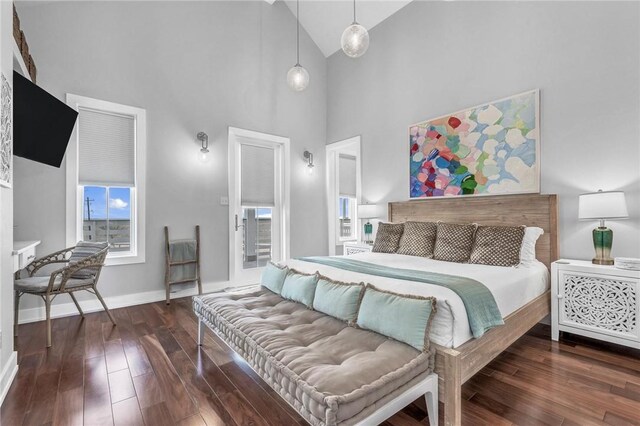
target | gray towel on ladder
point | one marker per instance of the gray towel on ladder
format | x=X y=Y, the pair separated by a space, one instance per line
x=180 y=251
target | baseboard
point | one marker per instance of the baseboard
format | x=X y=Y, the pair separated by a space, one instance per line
x=113 y=302
x=9 y=372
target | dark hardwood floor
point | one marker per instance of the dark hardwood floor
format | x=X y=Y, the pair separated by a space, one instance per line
x=148 y=370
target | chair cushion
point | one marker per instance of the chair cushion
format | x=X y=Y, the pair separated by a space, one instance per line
x=82 y=250
x=40 y=284
x=329 y=372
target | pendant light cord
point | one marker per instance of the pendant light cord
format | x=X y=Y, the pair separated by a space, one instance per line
x=354 y=12
x=297 y=32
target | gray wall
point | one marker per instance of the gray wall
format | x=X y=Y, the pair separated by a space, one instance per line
x=432 y=58
x=193 y=66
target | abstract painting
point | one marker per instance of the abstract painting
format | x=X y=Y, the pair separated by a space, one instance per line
x=5 y=134
x=490 y=149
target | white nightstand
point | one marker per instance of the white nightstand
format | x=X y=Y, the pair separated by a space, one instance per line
x=600 y=302
x=356 y=247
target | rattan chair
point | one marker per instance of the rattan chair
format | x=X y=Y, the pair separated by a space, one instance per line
x=83 y=265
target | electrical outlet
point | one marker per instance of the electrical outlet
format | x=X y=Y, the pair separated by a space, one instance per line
x=224 y=201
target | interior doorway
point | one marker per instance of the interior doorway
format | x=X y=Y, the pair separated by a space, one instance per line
x=344 y=181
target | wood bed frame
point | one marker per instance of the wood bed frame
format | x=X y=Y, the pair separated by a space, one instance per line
x=455 y=366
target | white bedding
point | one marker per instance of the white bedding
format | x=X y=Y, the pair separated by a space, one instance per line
x=511 y=287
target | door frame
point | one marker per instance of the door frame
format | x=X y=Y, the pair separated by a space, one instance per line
x=332 y=150
x=282 y=173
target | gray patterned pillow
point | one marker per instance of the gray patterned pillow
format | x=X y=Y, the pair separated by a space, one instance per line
x=418 y=239
x=454 y=242
x=497 y=245
x=388 y=237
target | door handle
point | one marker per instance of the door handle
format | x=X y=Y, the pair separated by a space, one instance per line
x=238 y=226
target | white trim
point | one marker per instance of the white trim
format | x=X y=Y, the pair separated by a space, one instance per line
x=74 y=195
x=114 y=302
x=283 y=162
x=9 y=372
x=332 y=181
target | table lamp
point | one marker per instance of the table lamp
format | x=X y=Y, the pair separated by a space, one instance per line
x=602 y=205
x=368 y=211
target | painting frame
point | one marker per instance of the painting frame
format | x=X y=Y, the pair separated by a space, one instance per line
x=6 y=133
x=536 y=167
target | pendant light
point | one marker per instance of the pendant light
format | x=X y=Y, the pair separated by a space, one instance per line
x=355 y=39
x=298 y=77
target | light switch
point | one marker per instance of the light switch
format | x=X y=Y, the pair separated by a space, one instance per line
x=224 y=201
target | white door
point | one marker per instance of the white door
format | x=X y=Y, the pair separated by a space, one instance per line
x=258 y=202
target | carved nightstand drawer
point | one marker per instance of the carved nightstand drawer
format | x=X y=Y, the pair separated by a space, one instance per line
x=601 y=302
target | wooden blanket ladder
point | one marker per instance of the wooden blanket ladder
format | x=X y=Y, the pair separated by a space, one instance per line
x=170 y=263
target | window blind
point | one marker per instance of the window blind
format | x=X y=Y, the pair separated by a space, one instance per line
x=106 y=143
x=347 y=175
x=257 y=176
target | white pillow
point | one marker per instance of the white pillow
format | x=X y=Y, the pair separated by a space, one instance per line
x=528 y=248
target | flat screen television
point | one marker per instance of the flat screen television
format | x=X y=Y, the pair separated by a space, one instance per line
x=42 y=124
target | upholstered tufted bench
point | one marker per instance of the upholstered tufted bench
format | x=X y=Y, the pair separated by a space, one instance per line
x=329 y=372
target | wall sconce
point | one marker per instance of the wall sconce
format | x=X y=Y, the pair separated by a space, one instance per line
x=203 y=155
x=309 y=157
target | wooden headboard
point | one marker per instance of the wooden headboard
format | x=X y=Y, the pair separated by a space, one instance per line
x=509 y=210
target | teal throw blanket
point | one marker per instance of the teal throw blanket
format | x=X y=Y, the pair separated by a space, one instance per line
x=482 y=310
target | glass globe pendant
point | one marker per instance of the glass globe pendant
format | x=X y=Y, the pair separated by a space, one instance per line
x=355 y=38
x=298 y=77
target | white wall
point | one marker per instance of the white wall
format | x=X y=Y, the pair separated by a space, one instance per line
x=432 y=58
x=193 y=66
x=7 y=355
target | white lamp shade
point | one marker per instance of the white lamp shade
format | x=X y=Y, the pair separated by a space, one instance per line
x=602 y=205
x=368 y=211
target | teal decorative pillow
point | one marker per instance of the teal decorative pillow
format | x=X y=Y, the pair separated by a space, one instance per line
x=300 y=287
x=338 y=299
x=402 y=317
x=273 y=277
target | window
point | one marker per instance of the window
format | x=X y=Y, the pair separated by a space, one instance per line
x=107 y=216
x=346 y=219
x=105 y=178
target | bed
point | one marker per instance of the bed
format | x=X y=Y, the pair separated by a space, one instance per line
x=456 y=365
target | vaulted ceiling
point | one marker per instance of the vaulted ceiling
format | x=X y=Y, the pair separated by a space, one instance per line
x=325 y=20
